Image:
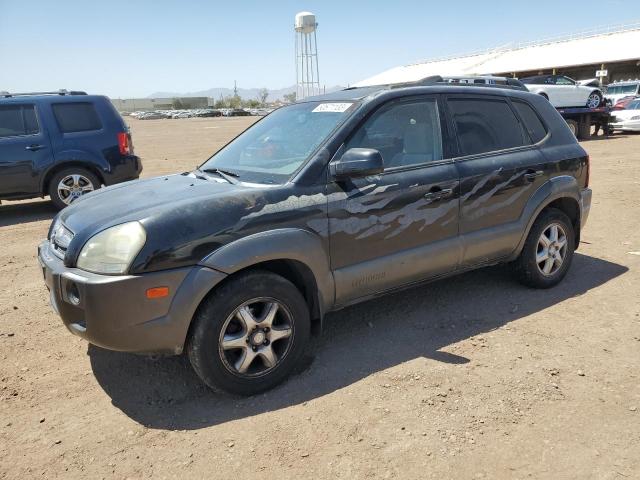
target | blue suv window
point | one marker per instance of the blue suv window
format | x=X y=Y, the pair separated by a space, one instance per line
x=16 y=120
x=76 y=117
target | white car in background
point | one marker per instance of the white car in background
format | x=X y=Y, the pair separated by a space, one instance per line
x=627 y=120
x=618 y=90
x=563 y=91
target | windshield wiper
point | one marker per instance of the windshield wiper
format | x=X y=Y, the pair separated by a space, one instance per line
x=228 y=176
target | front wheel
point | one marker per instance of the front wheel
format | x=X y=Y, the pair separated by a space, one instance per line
x=548 y=250
x=594 y=100
x=250 y=334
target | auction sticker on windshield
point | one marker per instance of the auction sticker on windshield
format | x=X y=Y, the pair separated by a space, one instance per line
x=332 y=107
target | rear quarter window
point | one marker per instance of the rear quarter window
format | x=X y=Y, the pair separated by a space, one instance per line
x=532 y=122
x=76 y=117
x=485 y=125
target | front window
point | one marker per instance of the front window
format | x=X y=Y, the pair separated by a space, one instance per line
x=277 y=146
x=406 y=133
x=564 y=81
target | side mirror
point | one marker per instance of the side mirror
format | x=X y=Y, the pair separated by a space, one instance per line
x=357 y=162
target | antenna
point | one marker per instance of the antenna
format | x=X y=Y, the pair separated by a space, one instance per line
x=307 y=76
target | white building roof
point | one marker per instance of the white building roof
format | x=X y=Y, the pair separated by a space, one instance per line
x=596 y=47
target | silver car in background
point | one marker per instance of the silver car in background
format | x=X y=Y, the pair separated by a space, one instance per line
x=627 y=120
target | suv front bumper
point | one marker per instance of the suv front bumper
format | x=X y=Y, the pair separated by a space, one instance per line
x=113 y=312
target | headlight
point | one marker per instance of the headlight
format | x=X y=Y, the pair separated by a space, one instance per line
x=112 y=250
x=637 y=117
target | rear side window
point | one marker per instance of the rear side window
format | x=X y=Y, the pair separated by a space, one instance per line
x=532 y=122
x=16 y=120
x=76 y=117
x=485 y=125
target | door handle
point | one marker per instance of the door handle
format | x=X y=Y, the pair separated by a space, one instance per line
x=531 y=175
x=438 y=194
x=34 y=147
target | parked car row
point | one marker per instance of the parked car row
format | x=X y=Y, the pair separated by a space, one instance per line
x=199 y=112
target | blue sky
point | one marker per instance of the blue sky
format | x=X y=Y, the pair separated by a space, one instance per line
x=136 y=47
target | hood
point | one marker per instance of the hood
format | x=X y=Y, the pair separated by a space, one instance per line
x=139 y=199
x=183 y=215
x=589 y=82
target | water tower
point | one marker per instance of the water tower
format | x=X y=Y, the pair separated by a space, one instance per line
x=307 y=77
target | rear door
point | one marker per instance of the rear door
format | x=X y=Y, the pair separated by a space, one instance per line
x=500 y=168
x=24 y=150
x=400 y=226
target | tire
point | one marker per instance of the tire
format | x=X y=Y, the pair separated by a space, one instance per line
x=594 y=100
x=226 y=318
x=527 y=269
x=79 y=180
x=573 y=126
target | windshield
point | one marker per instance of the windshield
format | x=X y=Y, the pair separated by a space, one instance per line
x=275 y=147
x=620 y=89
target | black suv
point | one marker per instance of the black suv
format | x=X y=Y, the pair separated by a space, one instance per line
x=62 y=144
x=321 y=204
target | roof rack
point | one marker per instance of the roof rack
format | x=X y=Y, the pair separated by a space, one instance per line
x=455 y=81
x=423 y=82
x=58 y=92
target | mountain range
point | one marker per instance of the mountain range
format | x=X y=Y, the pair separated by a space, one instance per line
x=244 y=93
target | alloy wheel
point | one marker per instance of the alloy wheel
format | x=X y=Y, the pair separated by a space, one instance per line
x=72 y=187
x=256 y=337
x=593 y=101
x=552 y=249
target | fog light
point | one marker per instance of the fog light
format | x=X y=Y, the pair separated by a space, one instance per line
x=73 y=294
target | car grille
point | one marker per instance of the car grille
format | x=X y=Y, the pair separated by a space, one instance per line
x=61 y=237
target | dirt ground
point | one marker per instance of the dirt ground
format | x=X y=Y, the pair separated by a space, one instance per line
x=471 y=377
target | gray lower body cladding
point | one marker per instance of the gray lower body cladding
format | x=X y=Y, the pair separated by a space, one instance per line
x=114 y=312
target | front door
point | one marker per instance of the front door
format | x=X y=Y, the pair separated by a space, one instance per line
x=401 y=226
x=569 y=92
x=24 y=148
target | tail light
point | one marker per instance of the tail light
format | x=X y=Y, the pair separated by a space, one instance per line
x=124 y=143
x=586 y=180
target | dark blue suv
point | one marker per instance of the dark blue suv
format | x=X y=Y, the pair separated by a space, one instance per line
x=62 y=144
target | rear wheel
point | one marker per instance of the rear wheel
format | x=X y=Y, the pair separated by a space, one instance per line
x=573 y=126
x=547 y=252
x=249 y=335
x=70 y=184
